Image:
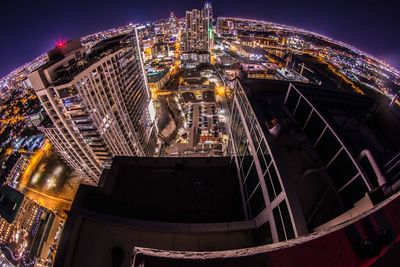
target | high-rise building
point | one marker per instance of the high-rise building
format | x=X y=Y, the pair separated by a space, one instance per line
x=98 y=103
x=210 y=33
x=198 y=34
x=209 y=8
x=173 y=23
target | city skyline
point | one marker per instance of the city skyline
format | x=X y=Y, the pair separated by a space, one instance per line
x=210 y=137
x=373 y=22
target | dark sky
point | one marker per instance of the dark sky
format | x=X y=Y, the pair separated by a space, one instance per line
x=31 y=27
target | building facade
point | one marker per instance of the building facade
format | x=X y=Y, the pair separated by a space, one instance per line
x=198 y=35
x=98 y=102
x=265 y=195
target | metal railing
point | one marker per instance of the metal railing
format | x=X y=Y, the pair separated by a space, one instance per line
x=392 y=168
x=327 y=126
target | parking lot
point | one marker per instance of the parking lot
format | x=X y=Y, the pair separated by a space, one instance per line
x=203 y=116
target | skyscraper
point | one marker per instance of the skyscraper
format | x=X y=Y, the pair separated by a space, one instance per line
x=173 y=23
x=210 y=19
x=98 y=103
x=198 y=31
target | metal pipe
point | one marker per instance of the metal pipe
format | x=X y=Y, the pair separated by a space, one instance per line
x=379 y=176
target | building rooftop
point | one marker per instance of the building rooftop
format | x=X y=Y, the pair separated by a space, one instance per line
x=253 y=67
x=156 y=76
x=66 y=73
x=254 y=50
x=191 y=74
x=293 y=152
x=326 y=168
x=10 y=202
x=169 y=190
x=356 y=121
x=166 y=203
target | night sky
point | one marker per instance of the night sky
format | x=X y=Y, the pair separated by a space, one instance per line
x=31 y=27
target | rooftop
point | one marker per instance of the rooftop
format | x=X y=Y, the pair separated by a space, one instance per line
x=165 y=203
x=293 y=152
x=254 y=50
x=327 y=168
x=153 y=77
x=64 y=74
x=10 y=202
x=191 y=74
x=168 y=190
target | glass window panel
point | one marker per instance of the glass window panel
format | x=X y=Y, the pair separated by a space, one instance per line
x=254 y=137
x=314 y=127
x=327 y=146
x=265 y=152
x=246 y=163
x=302 y=112
x=278 y=223
x=275 y=179
x=262 y=160
x=286 y=220
x=270 y=188
x=292 y=100
x=252 y=179
x=262 y=235
x=256 y=202
x=341 y=170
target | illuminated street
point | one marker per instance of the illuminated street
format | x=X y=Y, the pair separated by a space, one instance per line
x=52 y=184
x=48 y=181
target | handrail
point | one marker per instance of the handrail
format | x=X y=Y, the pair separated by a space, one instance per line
x=394 y=166
x=390 y=161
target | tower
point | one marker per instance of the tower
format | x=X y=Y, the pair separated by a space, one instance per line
x=198 y=30
x=98 y=103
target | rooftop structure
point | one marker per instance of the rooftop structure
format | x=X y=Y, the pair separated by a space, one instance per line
x=309 y=153
x=156 y=76
x=259 y=71
x=10 y=202
x=165 y=203
x=170 y=211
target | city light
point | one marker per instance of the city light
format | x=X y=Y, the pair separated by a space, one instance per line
x=286 y=113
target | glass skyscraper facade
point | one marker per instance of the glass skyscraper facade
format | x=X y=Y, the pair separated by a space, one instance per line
x=98 y=103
